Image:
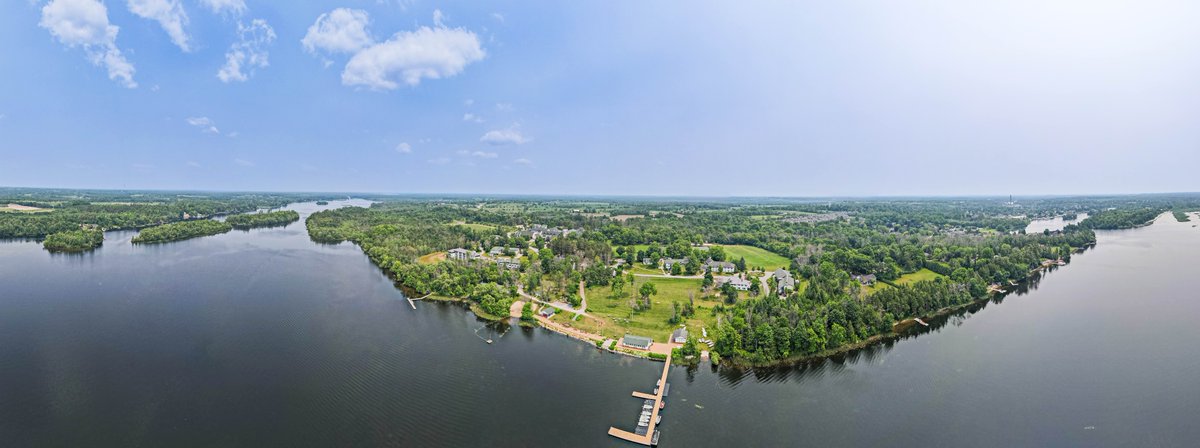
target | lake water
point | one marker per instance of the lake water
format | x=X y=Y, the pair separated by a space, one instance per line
x=265 y=339
x=1056 y=223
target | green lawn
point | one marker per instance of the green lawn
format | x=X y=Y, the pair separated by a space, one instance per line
x=756 y=257
x=921 y=275
x=619 y=318
x=476 y=226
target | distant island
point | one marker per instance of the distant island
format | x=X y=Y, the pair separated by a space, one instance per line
x=74 y=240
x=322 y=202
x=182 y=230
x=270 y=219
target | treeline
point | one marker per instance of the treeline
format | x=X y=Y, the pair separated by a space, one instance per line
x=182 y=230
x=134 y=212
x=1122 y=218
x=74 y=240
x=269 y=219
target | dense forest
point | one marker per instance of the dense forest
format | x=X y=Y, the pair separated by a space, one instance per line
x=269 y=219
x=74 y=240
x=182 y=230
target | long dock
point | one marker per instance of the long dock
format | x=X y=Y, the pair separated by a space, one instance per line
x=649 y=439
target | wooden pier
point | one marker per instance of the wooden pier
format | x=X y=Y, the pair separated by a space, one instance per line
x=649 y=439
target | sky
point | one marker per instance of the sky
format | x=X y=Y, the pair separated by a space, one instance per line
x=778 y=98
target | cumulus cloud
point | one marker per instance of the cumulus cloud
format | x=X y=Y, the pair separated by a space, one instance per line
x=204 y=123
x=484 y=155
x=225 y=6
x=84 y=23
x=523 y=161
x=169 y=14
x=504 y=137
x=410 y=56
x=248 y=53
x=342 y=30
x=472 y=117
x=404 y=148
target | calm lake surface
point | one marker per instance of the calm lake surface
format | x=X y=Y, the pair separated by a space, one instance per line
x=265 y=339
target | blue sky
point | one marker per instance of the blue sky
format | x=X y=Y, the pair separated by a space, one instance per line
x=602 y=97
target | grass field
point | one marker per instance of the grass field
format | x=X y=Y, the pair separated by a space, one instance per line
x=17 y=208
x=476 y=226
x=615 y=317
x=756 y=257
x=923 y=274
x=432 y=258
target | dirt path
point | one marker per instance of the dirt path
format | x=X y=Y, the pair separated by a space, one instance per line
x=560 y=305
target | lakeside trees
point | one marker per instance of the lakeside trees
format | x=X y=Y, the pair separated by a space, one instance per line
x=182 y=230
x=269 y=219
x=74 y=240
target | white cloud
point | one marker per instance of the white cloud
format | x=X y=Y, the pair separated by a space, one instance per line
x=225 y=6
x=243 y=162
x=484 y=155
x=439 y=161
x=523 y=161
x=431 y=53
x=84 y=23
x=404 y=148
x=203 y=123
x=342 y=30
x=169 y=14
x=248 y=53
x=472 y=117
x=499 y=17
x=504 y=137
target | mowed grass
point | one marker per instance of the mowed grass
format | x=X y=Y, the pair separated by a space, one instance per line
x=617 y=318
x=906 y=279
x=756 y=257
x=921 y=275
x=476 y=226
x=431 y=258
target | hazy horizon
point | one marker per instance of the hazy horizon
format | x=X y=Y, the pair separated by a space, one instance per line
x=802 y=100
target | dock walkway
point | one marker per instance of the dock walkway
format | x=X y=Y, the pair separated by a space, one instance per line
x=647 y=439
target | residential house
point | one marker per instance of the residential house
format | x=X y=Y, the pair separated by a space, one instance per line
x=720 y=266
x=668 y=262
x=547 y=312
x=866 y=280
x=496 y=251
x=461 y=254
x=738 y=283
x=784 y=280
x=680 y=335
x=508 y=263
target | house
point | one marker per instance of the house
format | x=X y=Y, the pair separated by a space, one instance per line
x=679 y=336
x=668 y=262
x=784 y=280
x=720 y=266
x=547 y=312
x=866 y=280
x=738 y=283
x=461 y=254
x=618 y=262
x=496 y=251
x=508 y=263
x=638 y=342
x=647 y=261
